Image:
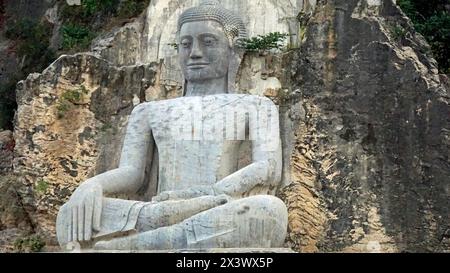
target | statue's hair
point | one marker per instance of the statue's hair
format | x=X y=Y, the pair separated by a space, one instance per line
x=232 y=24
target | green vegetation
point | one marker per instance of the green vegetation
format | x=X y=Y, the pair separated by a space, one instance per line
x=41 y=186
x=262 y=43
x=75 y=96
x=82 y=23
x=174 y=45
x=62 y=108
x=432 y=20
x=88 y=9
x=76 y=37
x=33 y=243
x=69 y=99
x=398 y=32
x=32 y=40
x=129 y=9
x=91 y=7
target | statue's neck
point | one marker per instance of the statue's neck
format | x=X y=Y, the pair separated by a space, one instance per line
x=207 y=87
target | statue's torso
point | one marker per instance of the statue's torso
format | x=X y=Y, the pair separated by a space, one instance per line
x=199 y=138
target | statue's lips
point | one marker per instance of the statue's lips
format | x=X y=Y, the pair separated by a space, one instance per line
x=197 y=65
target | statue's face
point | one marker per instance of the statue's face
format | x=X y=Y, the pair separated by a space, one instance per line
x=204 y=51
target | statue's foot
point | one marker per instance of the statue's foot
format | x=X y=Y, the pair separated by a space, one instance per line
x=172 y=237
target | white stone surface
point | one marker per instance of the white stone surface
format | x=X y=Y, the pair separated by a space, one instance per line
x=260 y=17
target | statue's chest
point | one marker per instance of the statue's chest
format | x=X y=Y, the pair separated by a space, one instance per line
x=198 y=139
x=200 y=119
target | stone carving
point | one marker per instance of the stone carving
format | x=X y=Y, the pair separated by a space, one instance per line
x=205 y=198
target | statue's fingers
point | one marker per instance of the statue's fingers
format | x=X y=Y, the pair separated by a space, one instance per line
x=156 y=199
x=74 y=224
x=88 y=214
x=70 y=227
x=161 y=197
x=165 y=196
x=81 y=222
x=97 y=213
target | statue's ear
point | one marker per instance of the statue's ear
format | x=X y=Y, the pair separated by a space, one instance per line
x=237 y=55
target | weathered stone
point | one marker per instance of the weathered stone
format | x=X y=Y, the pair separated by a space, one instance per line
x=122 y=46
x=6 y=151
x=12 y=211
x=371 y=153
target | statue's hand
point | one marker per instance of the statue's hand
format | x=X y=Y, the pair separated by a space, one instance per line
x=184 y=194
x=85 y=206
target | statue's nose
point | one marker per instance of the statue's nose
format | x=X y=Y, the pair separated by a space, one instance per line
x=196 y=52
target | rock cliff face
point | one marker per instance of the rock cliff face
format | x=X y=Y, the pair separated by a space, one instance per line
x=365 y=122
x=370 y=164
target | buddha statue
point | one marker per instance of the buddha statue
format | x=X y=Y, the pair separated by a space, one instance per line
x=204 y=198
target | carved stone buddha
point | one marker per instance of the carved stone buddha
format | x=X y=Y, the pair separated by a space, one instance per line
x=204 y=198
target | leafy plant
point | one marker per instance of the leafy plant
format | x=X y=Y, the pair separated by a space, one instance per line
x=68 y=99
x=91 y=7
x=33 y=243
x=398 y=32
x=81 y=22
x=19 y=29
x=261 y=43
x=76 y=36
x=76 y=95
x=432 y=20
x=41 y=186
x=174 y=45
x=130 y=8
x=33 y=40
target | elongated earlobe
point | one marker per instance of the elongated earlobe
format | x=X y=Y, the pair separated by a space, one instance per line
x=237 y=54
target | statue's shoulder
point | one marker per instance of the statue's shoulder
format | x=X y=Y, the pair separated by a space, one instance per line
x=165 y=102
x=150 y=105
x=142 y=107
x=257 y=100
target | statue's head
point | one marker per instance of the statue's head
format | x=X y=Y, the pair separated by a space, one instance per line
x=209 y=39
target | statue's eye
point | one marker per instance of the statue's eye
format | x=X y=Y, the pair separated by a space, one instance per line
x=185 y=43
x=209 y=41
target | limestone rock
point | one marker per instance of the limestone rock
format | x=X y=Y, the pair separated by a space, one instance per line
x=6 y=151
x=370 y=162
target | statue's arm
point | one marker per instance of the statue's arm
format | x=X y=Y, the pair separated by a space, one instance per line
x=265 y=170
x=85 y=205
x=129 y=176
